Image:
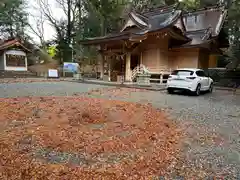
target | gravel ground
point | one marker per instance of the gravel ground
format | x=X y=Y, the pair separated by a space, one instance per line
x=44 y=89
x=211 y=121
x=212 y=125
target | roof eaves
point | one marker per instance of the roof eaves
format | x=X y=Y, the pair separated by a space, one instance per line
x=179 y=36
x=189 y=45
x=210 y=8
x=222 y=20
x=99 y=40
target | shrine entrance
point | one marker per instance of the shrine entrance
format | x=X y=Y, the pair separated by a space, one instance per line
x=135 y=61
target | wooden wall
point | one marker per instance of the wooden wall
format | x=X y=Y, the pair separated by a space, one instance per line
x=156 y=56
x=203 y=59
x=183 y=58
x=155 y=53
x=212 y=61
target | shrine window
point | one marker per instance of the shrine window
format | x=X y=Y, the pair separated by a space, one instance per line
x=15 y=60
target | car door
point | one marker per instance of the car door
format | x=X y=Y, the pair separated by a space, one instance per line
x=207 y=79
x=203 y=79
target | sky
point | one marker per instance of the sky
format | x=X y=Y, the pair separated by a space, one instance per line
x=34 y=12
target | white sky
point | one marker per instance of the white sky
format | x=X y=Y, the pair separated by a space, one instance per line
x=34 y=13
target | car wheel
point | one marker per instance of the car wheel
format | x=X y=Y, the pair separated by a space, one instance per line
x=210 y=88
x=170 y=91
x=198 y=90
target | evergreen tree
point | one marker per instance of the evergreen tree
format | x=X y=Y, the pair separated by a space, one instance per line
x=13 y=19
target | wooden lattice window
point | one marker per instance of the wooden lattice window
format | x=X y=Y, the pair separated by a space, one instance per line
x=15 y=60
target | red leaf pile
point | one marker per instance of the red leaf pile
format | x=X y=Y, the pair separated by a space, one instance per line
x=84 y=138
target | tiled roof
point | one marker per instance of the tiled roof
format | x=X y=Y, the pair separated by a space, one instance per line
x=210 y=18
x=198 y=26
x=11 y=43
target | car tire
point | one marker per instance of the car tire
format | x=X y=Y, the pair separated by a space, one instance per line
x=210 y=88
x=198 y=90
x=170 y=91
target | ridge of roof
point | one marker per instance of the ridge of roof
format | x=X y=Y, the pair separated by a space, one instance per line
x=142 y=24
x=157 y=10
x=164 y=7
x=141 y=15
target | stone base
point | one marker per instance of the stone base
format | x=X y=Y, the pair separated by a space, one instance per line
x=143 y=79
x=120 y=78
x=77 y=76
x=105 y=78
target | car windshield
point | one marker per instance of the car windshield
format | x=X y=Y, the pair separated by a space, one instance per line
x=182 y=72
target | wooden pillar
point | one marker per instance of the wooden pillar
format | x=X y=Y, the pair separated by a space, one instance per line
x=101 y=64
x=141 y=58
x=109 y=68
x=161 y=78
x=105 y=68
x=158 y=59
x=128 y=67
x=4 y=61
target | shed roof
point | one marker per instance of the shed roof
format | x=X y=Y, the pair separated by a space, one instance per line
x=10 y=43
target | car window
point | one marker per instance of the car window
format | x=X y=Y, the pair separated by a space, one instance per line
x=201 y=73
x=182 y=72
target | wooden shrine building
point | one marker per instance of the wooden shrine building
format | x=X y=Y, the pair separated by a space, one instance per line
x=13 y=56
x=162 y=39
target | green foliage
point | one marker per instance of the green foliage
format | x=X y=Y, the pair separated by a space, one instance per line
x=13 y=18
x=52 y=50
x=233 y=27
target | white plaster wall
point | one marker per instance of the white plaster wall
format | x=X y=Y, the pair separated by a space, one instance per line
x=12 y=68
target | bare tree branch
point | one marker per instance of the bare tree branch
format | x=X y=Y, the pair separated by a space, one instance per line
x=38 y=30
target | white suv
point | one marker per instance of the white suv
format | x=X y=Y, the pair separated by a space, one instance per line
x=193 y=80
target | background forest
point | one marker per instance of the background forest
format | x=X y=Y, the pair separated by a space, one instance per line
x=90 y=18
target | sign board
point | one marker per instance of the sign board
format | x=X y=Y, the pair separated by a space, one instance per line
x=71 y=67
x=53 y=73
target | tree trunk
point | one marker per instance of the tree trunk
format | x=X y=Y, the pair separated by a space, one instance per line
x=69 y=21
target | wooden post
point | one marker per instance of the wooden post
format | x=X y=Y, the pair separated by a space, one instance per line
x=141 y=58
x=101 y=63
x=128 y=67
x=161 y=78
x=109 y=68
x=122 y=68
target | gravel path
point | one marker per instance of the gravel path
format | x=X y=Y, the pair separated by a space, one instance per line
x=211 y=121
x=44 y=89
x=212 y=124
